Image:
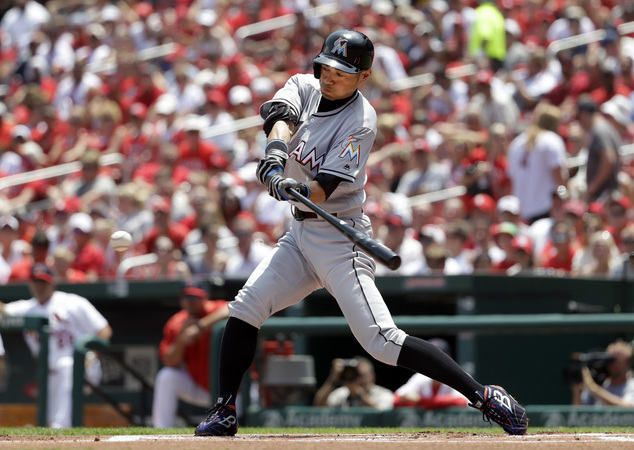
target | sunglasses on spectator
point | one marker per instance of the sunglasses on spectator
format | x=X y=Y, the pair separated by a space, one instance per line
x=559 y=237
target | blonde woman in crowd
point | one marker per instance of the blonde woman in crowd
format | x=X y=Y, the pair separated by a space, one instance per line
x=605 y=255
x=536 y=162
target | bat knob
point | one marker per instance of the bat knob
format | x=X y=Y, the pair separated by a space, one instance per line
x=394 y=263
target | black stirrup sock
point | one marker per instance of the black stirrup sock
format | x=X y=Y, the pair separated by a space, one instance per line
x=422 y=357
x=237 y=350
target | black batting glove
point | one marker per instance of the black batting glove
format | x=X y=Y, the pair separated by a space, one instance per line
x=267 y=166
x=276 y=154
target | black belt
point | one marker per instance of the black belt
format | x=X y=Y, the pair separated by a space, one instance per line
x=300 y=215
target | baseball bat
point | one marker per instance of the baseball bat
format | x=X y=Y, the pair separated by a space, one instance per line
x=374 y=248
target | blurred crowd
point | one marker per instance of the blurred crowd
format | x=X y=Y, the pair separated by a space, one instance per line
x=503 y=145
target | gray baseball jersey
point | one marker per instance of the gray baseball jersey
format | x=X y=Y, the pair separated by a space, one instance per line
x=313 y=254
x=335 y=142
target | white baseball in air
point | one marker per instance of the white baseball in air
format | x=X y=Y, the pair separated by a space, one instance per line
x=120 y=241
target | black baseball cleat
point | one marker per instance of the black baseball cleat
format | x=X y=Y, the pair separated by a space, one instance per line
x=221 y=420
x=500 y=407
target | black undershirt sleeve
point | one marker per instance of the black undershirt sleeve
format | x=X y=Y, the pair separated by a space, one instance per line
x=328 y=183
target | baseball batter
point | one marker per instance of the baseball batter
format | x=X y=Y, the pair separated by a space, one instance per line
x=71 y=317
x=320 y=130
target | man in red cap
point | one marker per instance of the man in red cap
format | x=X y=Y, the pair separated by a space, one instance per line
x=70 y=318
x=184 y=352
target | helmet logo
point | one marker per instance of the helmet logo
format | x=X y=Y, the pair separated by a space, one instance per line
x=340 y=47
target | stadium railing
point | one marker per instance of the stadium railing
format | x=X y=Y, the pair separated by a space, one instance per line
x=39 y=324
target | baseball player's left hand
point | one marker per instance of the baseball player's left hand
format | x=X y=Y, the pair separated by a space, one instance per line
x=278 y=188
x=267 y=167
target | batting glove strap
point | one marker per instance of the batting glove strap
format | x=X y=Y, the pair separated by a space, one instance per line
x=267 y=166
x=269 y=176
x=278 y=148
x=276 y=154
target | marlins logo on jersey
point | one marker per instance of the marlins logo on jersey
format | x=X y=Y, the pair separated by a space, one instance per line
x=350 y=150
x=310 y=160
x=340 y=47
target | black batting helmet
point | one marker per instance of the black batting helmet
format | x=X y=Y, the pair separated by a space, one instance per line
x=347 y=50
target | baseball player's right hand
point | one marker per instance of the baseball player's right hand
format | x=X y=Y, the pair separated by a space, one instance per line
x=278 y=186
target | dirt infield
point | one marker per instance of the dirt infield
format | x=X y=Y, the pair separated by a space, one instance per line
x=435 y=440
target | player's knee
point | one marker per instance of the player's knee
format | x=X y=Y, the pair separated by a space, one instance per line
x=381 y=355
x=387 y=346
x=166 y=377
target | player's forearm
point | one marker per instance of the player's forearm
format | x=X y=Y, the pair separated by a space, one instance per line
x=608 y=398
x=321 y=397
x=282 y=130
x=174 y=355
x=207 y=322
x=105 y=333
x=317 y=193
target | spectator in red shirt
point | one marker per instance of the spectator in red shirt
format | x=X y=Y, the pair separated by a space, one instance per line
x=141 y=88
x=62 y=260
x=503 y=234
x=71 y=135
x=164 y=225
x=46 y=128
x=573 y=82
x=6 y=126
x=195 y=153
x=89 y=257
x=166 y=163
x=184 y=352
x=21 y=269
x=486 y=171
x=559 y=254
x=134 y=144
x=616 y=210
x=606 y=88
x=522 y=247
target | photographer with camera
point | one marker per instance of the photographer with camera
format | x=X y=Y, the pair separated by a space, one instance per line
x=618 y=387
x=351 y=383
